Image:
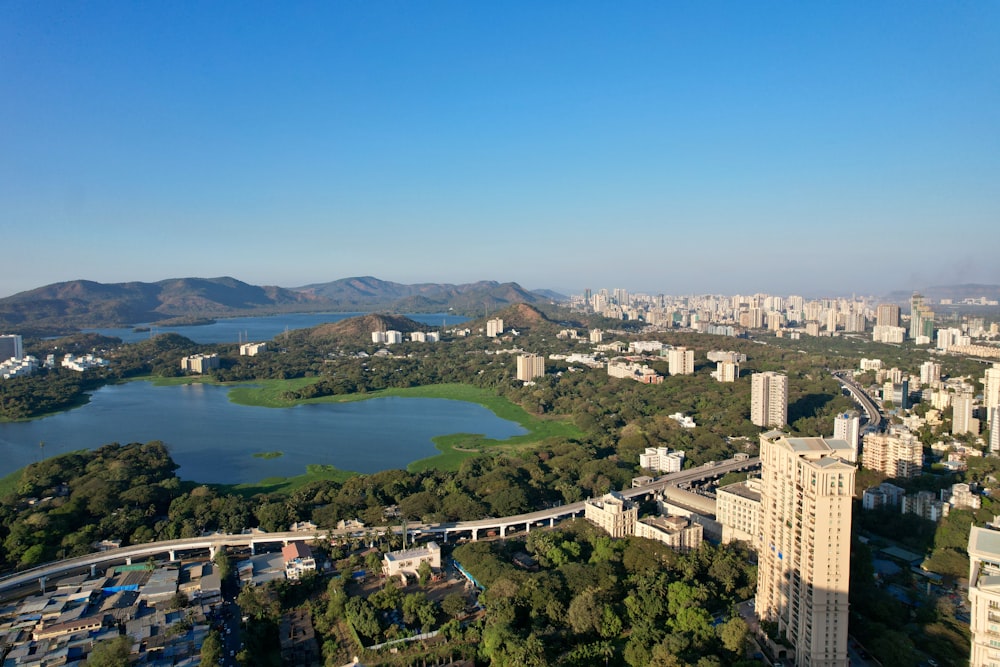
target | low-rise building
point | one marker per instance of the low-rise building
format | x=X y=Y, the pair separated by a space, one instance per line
x=614 y=513
x=252 y=349
x=676 y=532
x=298 y=560
x=661 y=459
x=408 y=561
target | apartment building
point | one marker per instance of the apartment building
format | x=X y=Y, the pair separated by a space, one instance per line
x=898 y=455
x=530 y=366
x=769 y=399
x=804 y=556
x=737 y=508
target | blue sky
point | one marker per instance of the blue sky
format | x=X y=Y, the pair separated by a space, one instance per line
x=665 y=147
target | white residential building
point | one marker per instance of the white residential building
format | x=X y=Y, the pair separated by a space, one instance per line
x=847 y=427
x=252 y=349
x=727 y=371
x=661 y=459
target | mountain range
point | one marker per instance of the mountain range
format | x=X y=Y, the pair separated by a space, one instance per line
x=83 y=303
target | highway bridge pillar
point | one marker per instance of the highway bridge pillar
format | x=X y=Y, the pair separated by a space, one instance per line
x=527 y=527
x=41 y=582
x=93 y=569
x=475 y=534
x=173 y=555
x=552 y=522
x=253 y=551
x=128 y=560
x=446 y=537
x=503 y=531
x=211 y=552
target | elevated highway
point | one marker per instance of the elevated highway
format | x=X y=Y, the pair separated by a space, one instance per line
x=497 y=526
x=875 y=419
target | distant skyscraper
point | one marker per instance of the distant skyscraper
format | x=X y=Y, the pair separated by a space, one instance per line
x=769 y=399
x=921 y=317
x=930 y=373
x=887 y=315
x=991 y=397
x=803 y=574
x=11 y=347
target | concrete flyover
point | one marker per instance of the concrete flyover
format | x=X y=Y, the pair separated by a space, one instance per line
x=496 y=526
x=875 y=419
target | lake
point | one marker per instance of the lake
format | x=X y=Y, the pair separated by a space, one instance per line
x=213 y=440
x=233 y=329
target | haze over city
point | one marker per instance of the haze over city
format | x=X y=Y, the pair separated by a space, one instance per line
x=674 y=147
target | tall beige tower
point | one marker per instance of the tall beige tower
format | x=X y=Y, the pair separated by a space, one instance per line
x=769 y=399
x=803 y=574
x=530 y=366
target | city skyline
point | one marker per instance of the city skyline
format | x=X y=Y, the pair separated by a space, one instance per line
x=665 y=149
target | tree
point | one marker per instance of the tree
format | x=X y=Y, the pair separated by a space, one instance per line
x=733 y=634
x=110 y=652
x=453 y=604
x=585 y=613
x=211 y=648
x=424 y=573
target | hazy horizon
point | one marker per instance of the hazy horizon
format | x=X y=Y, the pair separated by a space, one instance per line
x=659 y=147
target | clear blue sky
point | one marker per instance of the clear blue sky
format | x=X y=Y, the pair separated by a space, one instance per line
x=675 y=147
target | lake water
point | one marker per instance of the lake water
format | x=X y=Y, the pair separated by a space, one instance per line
x=213 y=440
x=230 y=330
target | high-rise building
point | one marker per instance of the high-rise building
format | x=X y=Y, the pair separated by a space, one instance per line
x=727 y=371
x=769 y=399
x=494 y=327
x=847 y=427
x=991 y=393
x=962 y=420
x=921 y=317
x=803 y=574
x=930 y=373
x=681 y=361
x=984 y=596
x=887 y=315
x=11 y=347
x=530 y=366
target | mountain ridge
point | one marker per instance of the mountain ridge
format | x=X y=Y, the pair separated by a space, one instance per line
x=85 y=303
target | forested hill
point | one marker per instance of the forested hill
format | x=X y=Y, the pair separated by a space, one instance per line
x=82 y=303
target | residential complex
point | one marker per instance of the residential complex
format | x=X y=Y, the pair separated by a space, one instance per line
x=769 y=399
x=804 y=555
x=494 y=327
x=199 y=363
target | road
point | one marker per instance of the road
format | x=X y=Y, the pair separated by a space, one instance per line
x=211 y=543
x=875 y=419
